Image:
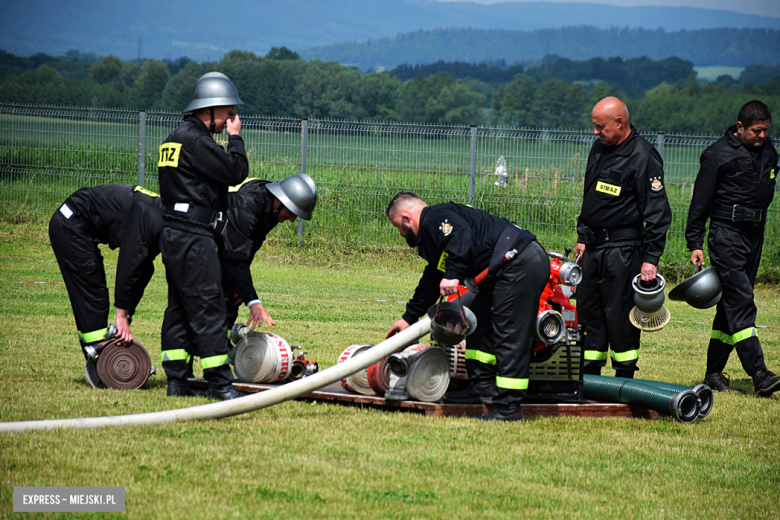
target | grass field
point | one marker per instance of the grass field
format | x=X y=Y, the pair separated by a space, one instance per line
x=301 y=460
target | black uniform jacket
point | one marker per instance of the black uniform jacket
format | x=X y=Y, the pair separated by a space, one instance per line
x=195 y=169
x=727 y=176
x=140 y=246
x=457 y=241
x=105 y=208
x=250 y=219
x=627 y=188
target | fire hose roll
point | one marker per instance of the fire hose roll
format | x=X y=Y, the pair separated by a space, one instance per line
x=356 y=383
x=429 y=376
x=261 y=357
x=683 y=406
x=379 y=377
x=124 y=367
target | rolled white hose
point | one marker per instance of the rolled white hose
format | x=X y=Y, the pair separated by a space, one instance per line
x=245 y=404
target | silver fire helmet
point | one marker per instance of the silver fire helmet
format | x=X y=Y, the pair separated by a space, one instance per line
x=298 y=193
x=213 y=89
x=701 y=291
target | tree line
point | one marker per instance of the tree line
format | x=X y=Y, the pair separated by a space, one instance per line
x=555 y=93
x=704 y=47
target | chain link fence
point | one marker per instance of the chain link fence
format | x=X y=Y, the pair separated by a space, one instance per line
x=46 y=153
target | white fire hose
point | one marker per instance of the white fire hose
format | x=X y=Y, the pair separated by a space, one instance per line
x=245 y=404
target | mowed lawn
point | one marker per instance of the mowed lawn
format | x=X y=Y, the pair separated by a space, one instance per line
x=302 y=460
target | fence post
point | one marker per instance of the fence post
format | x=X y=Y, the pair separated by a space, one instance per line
x=304 y=148
x=473 y=164
x=142 y=148
x=659 y=144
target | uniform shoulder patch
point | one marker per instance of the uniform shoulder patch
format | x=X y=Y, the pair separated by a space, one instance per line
x=656 y=185
x=446 y=228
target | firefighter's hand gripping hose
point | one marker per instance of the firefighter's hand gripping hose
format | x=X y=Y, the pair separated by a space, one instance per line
x=244 y=404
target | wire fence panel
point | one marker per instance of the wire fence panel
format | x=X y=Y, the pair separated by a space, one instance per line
x=532 y=176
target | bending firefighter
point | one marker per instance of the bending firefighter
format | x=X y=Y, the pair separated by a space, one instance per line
x=459 y=242
x=92 y=216
x=255 y=208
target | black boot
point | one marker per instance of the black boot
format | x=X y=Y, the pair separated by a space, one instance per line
x=765 y=383
x=91 y=374
x=503 y=413
x=721 y=382
x=224 y=392
x=181 y=388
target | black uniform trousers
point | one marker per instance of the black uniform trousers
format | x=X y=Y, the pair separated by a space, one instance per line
x=194 y=322
x=81 y=265
x=736 y=253
x=604 y=302
x=515 y=305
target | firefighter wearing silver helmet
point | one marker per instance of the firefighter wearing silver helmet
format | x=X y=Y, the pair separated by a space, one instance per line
x=298 y=193
x=213 y=90
x=195 y=174
x=254 y=209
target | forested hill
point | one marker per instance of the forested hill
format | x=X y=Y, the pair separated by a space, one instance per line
x=706 y=47
x=206 y=30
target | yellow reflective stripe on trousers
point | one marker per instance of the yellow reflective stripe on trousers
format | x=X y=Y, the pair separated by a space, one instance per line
x=213 y=361
x=482 y=357
x=595 y=355
x=735 y=338
x=628 y=355
x=91 y=337
x=512 y=383
x=178 y=354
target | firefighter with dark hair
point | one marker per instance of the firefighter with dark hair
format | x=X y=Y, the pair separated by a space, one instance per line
x=255 y=208
x=195 y=173
x=621 y=232
x=92 y=216
x=734 y=187
x=459 y=242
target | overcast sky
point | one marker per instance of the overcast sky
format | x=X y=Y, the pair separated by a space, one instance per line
x=759 y=7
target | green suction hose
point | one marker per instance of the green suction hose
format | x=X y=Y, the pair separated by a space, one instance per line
x=682 y=405
x=703 y=392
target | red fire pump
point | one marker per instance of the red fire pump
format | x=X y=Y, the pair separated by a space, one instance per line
x=556 y=359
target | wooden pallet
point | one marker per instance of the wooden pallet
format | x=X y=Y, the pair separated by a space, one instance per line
x=336 y=394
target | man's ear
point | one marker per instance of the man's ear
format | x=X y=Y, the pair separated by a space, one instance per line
x=740 y=127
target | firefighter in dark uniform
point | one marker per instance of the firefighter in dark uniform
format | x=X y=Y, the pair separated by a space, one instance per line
x=734 y=187
x=92 y=216
x=621 y=232
x=195 y=173
x=459 y=242
x=255 y=208
x=135 y=265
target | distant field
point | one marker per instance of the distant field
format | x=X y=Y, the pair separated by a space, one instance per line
x=712 y=73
